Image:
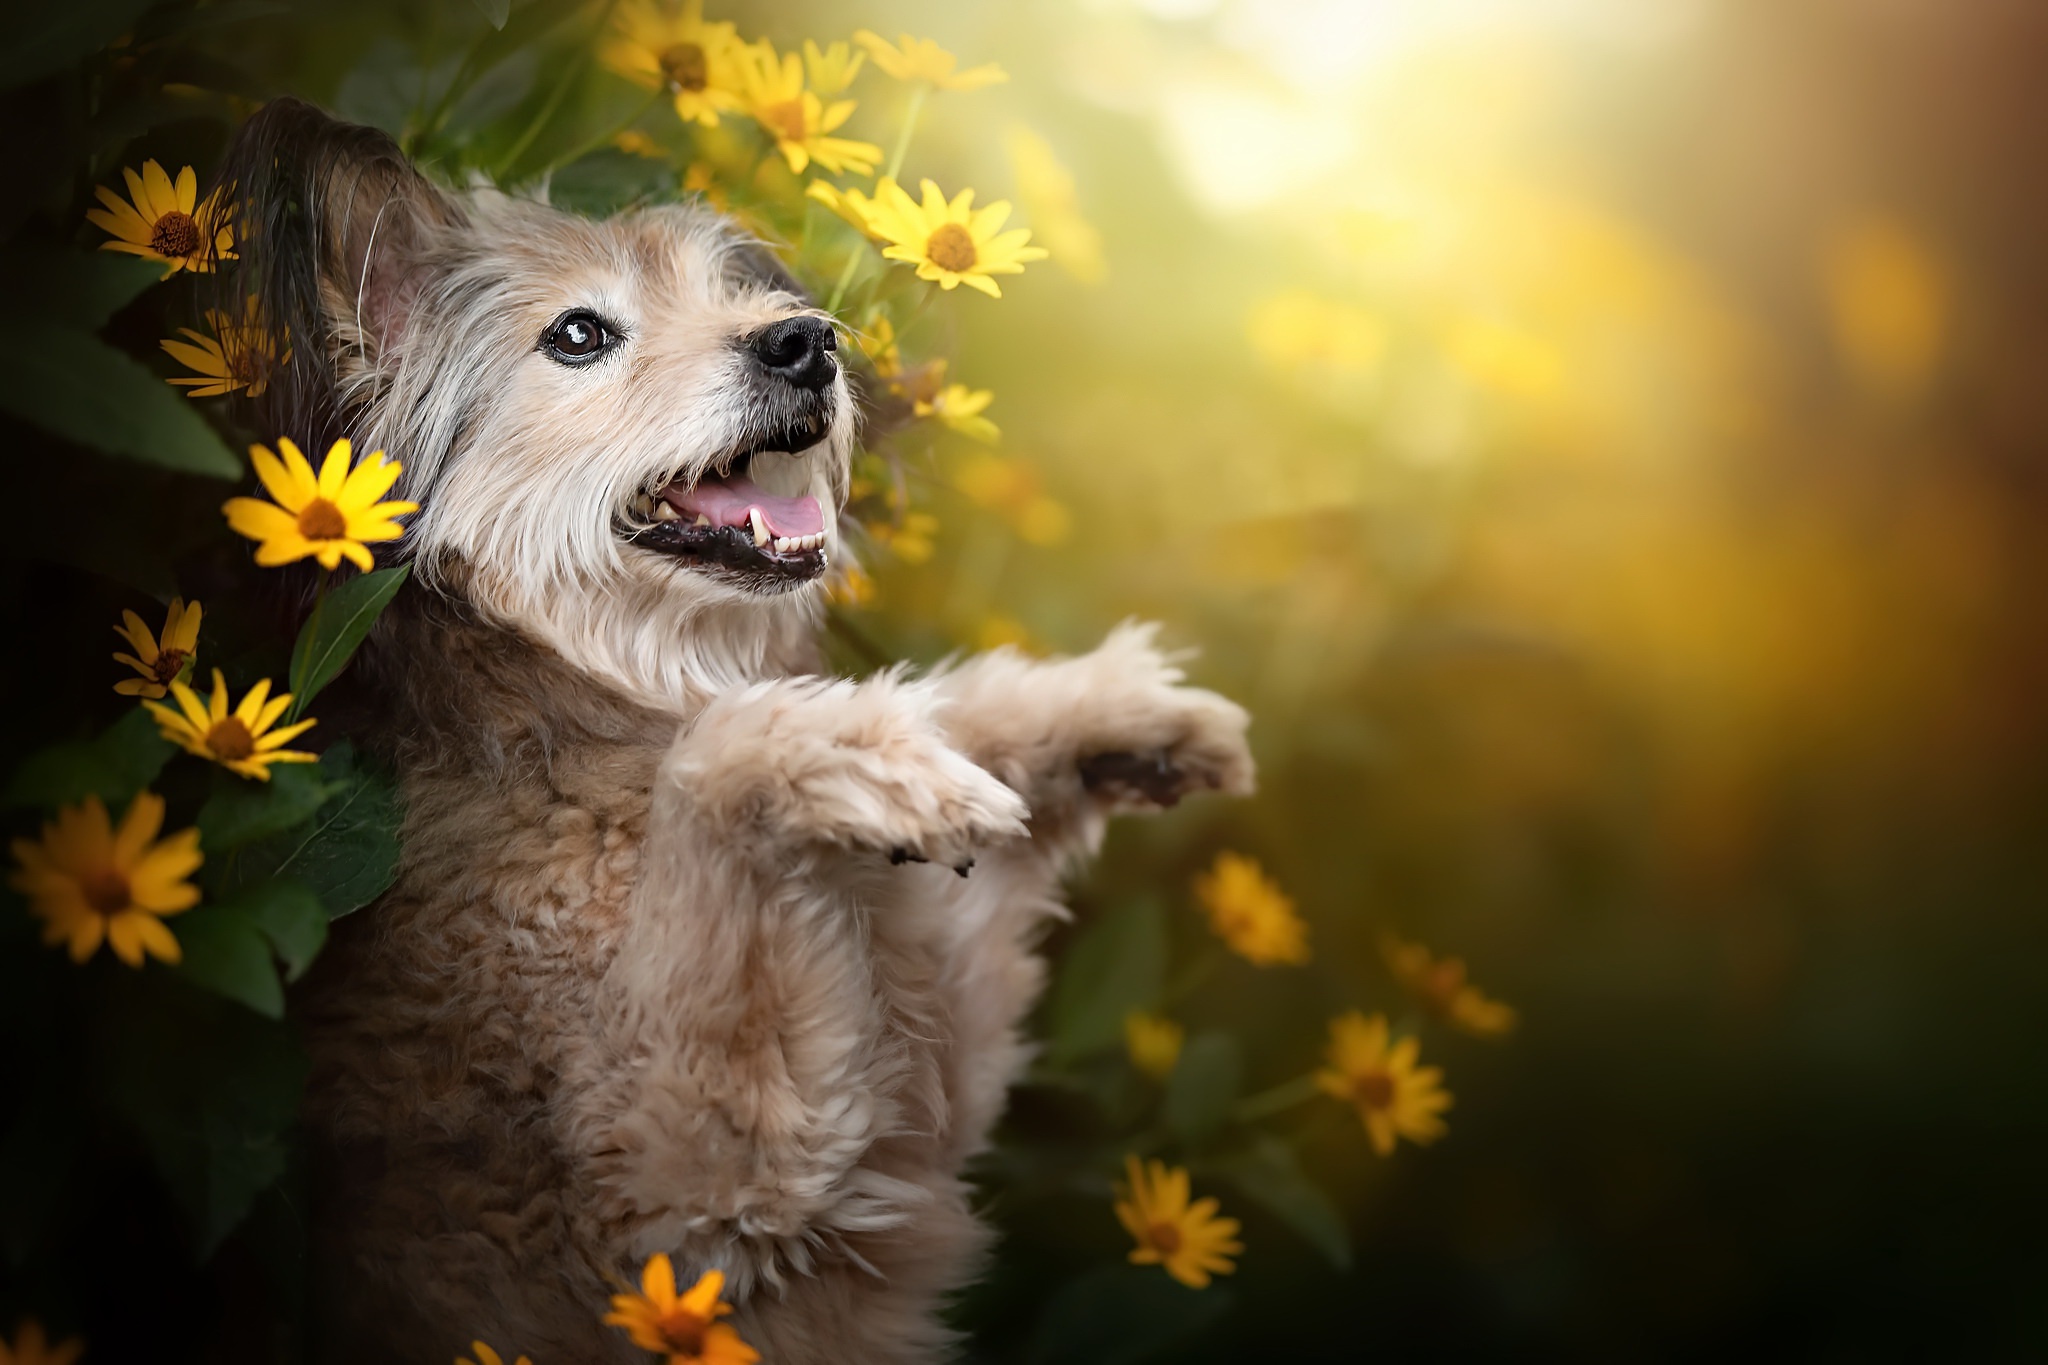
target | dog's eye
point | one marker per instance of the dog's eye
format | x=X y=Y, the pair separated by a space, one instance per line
x=578 y=337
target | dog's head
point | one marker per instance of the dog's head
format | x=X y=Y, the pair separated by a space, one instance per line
x=629 y=437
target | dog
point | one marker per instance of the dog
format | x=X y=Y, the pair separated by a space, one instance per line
x=692 y=949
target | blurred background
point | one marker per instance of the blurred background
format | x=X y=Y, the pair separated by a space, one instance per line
x=1601 y=442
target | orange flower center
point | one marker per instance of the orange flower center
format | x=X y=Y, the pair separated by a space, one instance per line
x=1164 y=1237
x=951 y=247
x=175 y=234
x=685 y=66
x=682 y=1331
x=169 y=665
x=230 y=739
x=787 y=119
x=1374 y=1091
x=106 y=890
x=322 y=520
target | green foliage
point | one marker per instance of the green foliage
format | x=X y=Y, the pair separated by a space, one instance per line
x=1121 y=1315
x=1270 y=1175
x=347 y=853
x=76 y=386
x=1116 y=965
x=339 y=624
x=113 y=765
x=1203 y=1087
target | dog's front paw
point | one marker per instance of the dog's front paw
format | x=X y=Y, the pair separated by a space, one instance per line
x=939 y=807
x=1187 y=740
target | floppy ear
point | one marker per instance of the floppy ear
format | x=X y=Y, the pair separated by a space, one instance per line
x=333 y=230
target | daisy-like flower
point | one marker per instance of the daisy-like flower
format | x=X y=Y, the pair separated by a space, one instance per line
x=1394 y=1097
x=665 y=45
x=832 y=68
x=1439 y=985
x=1251 y=914
x=851 y=205
x=162 y=220
x=912 y=539
x=160 y=659
x=239 y=355
x=960 y=408
x=329 y=517
x=486 y=1356
x=1153 y=1043
x=878 y=344
x=950 y=241
x=921 y=59
x=240 y=740
x=685 y=1326
x=1189 y=1240
x=91 y=883
x=796 y=117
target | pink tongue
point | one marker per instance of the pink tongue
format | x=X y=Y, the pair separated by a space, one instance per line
x=727 y=502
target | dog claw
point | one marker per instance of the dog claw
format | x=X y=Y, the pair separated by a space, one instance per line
x=964 y=868
x=900 y=855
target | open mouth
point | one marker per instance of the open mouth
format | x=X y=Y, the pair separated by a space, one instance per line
x=726 y=523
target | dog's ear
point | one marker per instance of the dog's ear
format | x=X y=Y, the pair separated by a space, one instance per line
x=333 y=233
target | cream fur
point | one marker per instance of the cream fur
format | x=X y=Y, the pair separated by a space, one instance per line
x=649 y=979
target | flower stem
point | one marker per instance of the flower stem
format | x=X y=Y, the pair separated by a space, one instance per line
x=1196 y=973
x=846 y=276
x=917 y=97
x=1281 y=1097
x=572 y=73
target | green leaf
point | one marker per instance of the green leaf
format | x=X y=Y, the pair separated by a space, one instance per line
x=348 y=855
x=227 y=952
x=1117 y=965
x=605 y=182
x=213 y=1089
x=340 y=621
x=1121 y=1314
x=241 y=811
x=497 y=11
x=47 y=38
x=80 y=288
x=292 y=918
x=114 y=765
x=1204 y=1085
x=74 y=385
x=1271 y=1176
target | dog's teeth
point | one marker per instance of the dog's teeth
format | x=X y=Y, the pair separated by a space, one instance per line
x=784 y=544
x=702 y=520
x=643 y=506
x=760 y=526
x=664 y=512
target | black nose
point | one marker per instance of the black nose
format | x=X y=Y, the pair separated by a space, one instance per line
x=798 y=350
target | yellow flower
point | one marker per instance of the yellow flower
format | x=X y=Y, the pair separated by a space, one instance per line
x=960 y=408
x=1010 y=486
x=633 y=142
x=240 y=741
x=328 y=517
x=663 y=45
x=851 y=205
x=949 y=241
x=1153 y=1043
x=1251 y=914
x=684 y=1327
x=164 y=222
x=239 y=355
x=159 y=659
x=31 y=1348
x=89 y=882
x=1394 y=1097
x=1188 y=1239
x=796 y=117
x=1046 y=188
x=911 y=539
x=878 y=344
x=921 y=59
x=832 y=69
x=486 y=1356
x=853 y=588
x=1441 y=987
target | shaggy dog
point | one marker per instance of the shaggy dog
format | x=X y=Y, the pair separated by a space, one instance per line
x=692 y=950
